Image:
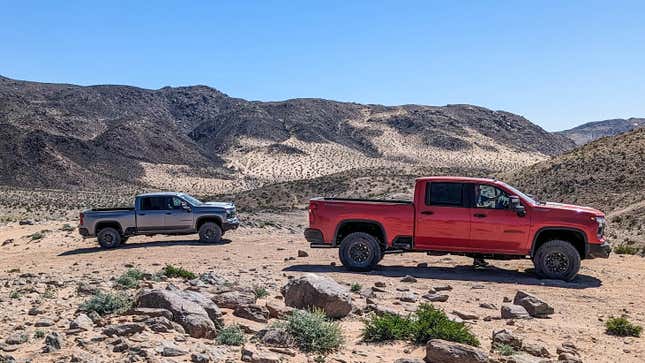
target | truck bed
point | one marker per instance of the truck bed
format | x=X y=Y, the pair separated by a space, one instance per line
x=111 y=209
x=327 y=215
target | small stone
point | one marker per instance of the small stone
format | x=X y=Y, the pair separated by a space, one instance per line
x=169 y=351
x=436 y=297
x=509 y=311
x=465 y=315
x=379 y=284
x=488 y=306
x=506 y=337
x=442 y=288
x=302 y=253
x=411 y=298
x=42 y=323
x=82 y=322
x=408 y=278
x=200 y=358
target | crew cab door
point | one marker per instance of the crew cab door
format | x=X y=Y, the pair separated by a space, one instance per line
x=177 y=217
x=442 y=216
x=150 y=213
x=495 y=227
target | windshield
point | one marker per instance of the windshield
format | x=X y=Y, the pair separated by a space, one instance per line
x=521 y=195
x=192 y=200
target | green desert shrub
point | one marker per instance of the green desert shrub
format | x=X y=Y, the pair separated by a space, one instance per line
x=426 y=323
x=130 y=279
x=314 y=332
x=231 y=335
x=626 y=250
x=622 y=327
x=260 y=292
x=172 y=271
x=107 y=303
x=355 y=287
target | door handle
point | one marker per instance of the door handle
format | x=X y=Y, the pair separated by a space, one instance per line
x=168 y=213
x=142 y=214
x=428 y=212
x=479 y=215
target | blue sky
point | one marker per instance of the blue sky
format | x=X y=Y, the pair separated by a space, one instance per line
x=558 y=63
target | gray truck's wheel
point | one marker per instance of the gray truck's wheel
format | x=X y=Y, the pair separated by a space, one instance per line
x=359 y=251
x=109 y=237
x=558 y=260
x=210 y=232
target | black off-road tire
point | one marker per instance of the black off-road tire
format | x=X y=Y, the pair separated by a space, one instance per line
x=558 y=260
x=109 y=237
x=359 y=251
x=210 y=232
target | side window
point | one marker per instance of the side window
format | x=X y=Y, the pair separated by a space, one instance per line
x=445 y=194
x=153 y=203
x=488 y=196
x=175 y=203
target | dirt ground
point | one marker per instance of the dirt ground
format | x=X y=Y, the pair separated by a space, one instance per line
x=268 y=257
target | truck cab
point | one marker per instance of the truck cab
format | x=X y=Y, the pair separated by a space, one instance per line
x=477 y=217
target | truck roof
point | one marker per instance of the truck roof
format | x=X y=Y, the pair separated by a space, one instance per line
x=160 y=193
x=456 y=179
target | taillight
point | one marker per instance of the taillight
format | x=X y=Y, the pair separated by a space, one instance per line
x=81 y=216
x=312 y=211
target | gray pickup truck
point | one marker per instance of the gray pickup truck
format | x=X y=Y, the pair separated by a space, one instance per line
x=159 y=213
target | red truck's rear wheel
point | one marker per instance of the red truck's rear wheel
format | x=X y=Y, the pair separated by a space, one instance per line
x=557 y=259
x=359 y=251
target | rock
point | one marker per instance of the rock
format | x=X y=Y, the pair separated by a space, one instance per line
x=35 y=311
x=278 y=311
x=536 y=349
x=258 y=356
x=442 y=288
x=200 y=358
x=7 y=242
x=26 y=222
x=302 y=253
x=160 y=324
x=521 y=357
x=6 y=358
x=212 y=278
x=506 y=337
x=125 y=329
x=53 y=342
x=16 y=338
x=488 y=306
x=509 y=311
x=275 y=337
x=170 y=351
x=436 y=297
x=422 y=265
x=408 y=360
x=152 y=312
x=43 y=323
x=252 y=312
x=465 y=315
x=565 y=357
x=535 y=306
x=233 y=299
x=189 y=314
x=441 y=351
x=408 y=278
x=82 y=322
x=207 y=304
x=315 y=291
x=411 y=298
x=380 y=284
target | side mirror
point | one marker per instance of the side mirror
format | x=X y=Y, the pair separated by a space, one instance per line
x=517 y=206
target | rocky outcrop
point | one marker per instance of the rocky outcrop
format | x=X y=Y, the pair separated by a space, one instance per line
x=314 y=291
x=442 y=351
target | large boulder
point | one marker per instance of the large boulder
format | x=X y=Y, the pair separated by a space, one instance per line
x=442 y=351
x=509 y=311
x=192 y=316
x=233 y=299
x=506 y=337
x=535 y=306
x=314 y=291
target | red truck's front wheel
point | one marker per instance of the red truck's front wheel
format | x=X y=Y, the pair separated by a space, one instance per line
x=557 y=259
x=359 y=251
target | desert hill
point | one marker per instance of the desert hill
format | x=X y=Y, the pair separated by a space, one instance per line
x=199 y=139
x=590 y=131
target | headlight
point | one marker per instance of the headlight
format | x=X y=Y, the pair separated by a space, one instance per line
x=230 y=214
x=601 y=225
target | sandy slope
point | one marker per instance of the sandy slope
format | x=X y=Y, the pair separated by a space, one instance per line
x=256 y=256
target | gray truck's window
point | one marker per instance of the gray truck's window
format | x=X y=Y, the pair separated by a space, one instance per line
x=153 y=203
x=445 y=194
x=175 y=203
x=488 y=196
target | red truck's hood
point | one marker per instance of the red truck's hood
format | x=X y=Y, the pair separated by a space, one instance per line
x=572 y=207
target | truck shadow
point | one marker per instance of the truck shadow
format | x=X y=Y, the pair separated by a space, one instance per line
x=459 y=273
x=152 y=244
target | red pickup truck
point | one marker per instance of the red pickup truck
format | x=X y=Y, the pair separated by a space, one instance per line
x=475 y=217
